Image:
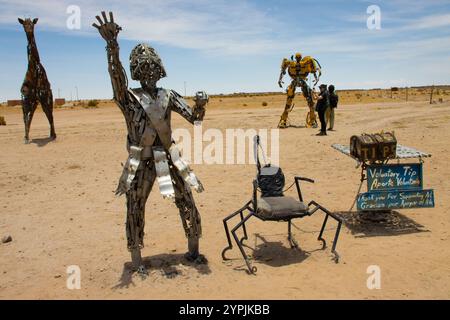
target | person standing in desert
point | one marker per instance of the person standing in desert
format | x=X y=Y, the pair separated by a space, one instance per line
x=333 y=99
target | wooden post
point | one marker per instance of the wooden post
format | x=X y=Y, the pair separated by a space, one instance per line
x=431 y=94
x=406 y=94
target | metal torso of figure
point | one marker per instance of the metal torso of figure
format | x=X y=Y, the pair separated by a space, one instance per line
x=299 y=70
x=150 y=138
x=296 y=72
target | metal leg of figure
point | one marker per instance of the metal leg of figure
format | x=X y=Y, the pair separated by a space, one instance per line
x=136 y=199
x=190 y=218
x=290 y=98
x=311 y=119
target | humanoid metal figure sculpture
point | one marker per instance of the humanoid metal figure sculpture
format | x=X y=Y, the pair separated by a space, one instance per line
x=152 y=152
x=299 y=70
x=36 y=87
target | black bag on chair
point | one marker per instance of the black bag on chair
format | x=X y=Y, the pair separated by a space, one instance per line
x=271 y=181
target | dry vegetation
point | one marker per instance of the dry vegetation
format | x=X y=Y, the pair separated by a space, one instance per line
x=441 y=94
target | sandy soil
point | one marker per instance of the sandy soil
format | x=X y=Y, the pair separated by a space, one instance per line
x=57 y=203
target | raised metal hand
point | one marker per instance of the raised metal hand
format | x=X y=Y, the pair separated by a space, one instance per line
x=107 y=29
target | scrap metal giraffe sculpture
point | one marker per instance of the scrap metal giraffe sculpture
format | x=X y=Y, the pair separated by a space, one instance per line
x=36 y=87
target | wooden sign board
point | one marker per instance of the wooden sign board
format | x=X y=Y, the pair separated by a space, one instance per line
x=407 y=176
x=388 y=200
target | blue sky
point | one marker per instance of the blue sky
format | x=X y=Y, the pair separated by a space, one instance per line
x=224 y=46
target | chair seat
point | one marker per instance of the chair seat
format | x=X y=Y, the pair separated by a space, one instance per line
x=280 y=208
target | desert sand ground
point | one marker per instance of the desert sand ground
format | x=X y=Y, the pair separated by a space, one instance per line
x=57 y=203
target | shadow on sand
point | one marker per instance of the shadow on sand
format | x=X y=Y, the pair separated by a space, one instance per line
x=376 y=224
x=169 y=265
x=277 y=253
x=42 y=142
x=274 y=253
x=296 y=126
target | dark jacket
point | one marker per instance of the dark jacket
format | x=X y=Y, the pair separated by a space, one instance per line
x=334 y=99
x=323 y=103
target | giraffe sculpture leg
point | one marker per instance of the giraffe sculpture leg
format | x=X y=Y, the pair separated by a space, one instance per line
x=136 y=199
x=29 y=104
x=290 y=98
x=46 y=100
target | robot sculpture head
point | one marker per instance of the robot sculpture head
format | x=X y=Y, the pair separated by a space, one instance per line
x=28 y=24
x=145 y=65
x=201 y=98
x=298 y=56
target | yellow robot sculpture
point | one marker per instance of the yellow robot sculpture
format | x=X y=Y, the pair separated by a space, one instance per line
x=299 y=69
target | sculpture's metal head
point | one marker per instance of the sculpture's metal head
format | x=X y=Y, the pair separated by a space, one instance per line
x=28 y=24
x=201 y=98
x=145 y=64
x=298 y=56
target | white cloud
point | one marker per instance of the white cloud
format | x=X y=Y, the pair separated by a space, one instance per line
x=430 y=22
x=223 y=27
x=231 y=27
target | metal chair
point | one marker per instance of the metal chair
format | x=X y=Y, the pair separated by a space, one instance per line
x=273 y=205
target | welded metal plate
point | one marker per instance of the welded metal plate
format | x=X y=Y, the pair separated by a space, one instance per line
x=163 y=173
x=184 y=169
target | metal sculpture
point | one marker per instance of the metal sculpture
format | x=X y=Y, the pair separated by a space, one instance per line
x=299 y=69
x=36 y=87
x=273 y=205
x=152 y=152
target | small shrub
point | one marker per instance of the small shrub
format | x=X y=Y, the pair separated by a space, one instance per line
x=244 y=105
x=264 y=104
x=2 y=121
x=92 y=103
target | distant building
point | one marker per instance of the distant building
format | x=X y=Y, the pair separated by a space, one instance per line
x=12 y=103
x=60 y=102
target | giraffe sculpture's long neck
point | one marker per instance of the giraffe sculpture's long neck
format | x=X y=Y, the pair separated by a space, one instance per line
x=33 y=54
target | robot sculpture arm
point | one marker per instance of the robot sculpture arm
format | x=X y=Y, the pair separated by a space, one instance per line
x=179 y=105
x=109 y=31
x=284 y=66
x=316 y=70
